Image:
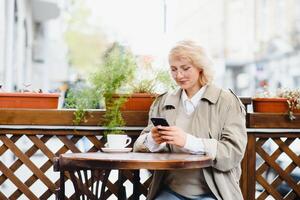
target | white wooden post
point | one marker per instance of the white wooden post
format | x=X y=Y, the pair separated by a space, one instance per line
x=9 y=43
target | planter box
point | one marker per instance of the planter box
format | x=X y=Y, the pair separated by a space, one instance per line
x=138 y=102
x=29 y=100
x=271 y=105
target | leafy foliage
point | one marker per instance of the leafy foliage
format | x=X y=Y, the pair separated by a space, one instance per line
x=82 y=99
x=293 y=100
x=160 y=82
x=113 y=117
x=114 y=74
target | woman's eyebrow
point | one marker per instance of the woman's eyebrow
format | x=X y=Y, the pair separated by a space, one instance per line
x=184 y=65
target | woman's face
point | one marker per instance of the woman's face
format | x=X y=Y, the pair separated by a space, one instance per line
x=186 y=75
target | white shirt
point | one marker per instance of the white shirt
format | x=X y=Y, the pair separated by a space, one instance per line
x=193 y=144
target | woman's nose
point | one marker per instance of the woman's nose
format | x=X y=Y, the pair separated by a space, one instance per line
x=179 y=74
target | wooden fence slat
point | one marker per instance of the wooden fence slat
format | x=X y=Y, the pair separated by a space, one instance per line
x=251 y=167
x=285 y=176
x=274 y=156
x=288 y=151
x=13 y=138
x=47 y=194
x=28 y=162
x=69 y=144
x=129 y=175
x=18 y=163
x=291 y=195
x=276 y=182
x=11 y=176
x=2 y=197
x=268 y=188
x=96 y=142
x=44 y=167
x=12 y=167
x=41 y=145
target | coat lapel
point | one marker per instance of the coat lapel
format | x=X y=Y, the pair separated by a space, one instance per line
x=202 y=116
x=170 y=106
x=200 y=121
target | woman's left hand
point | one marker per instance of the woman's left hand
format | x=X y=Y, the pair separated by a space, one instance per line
x=173 y=135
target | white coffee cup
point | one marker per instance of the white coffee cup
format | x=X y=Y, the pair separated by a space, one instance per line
x=117 y=141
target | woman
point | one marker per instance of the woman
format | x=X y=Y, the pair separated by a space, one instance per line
x=204 y=119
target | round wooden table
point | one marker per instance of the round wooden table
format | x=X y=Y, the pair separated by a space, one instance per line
x=73 y=162
x=152 y=161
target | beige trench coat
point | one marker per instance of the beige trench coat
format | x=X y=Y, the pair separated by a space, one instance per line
x=220 y=115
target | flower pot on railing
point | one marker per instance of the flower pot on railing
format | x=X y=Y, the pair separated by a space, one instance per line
x=271 y=105
x=136 y=101
x=29 y=100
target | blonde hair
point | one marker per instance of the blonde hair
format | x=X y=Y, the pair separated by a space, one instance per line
x=196 y=55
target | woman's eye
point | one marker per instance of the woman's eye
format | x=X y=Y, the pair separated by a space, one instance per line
x=173 y=70
x=187 y=68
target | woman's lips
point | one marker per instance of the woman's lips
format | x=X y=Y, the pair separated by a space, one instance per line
x=183 y=82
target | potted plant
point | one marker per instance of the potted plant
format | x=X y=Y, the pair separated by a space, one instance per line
x=114 y=74
x=284 y=101
x=122 y=85
x=145 y=90
x=29 y=99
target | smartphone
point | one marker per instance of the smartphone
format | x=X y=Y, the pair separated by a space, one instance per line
x=159 y=121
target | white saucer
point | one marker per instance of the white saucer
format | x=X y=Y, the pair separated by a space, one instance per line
x=116 y=150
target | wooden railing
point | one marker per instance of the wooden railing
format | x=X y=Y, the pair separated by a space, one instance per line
x=30 y=139
x=271 y=165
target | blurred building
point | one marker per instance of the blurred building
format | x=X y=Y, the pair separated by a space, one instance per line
x=254 y=43
x=32 y=51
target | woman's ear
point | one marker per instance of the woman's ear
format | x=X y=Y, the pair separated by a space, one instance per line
x=200 y=71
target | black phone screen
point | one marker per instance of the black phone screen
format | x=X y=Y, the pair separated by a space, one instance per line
x=159 y=121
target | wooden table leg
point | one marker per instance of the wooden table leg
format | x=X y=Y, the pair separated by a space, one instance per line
x=104 y=182
x=136 y=181
x=122 y=191
x=61 y=195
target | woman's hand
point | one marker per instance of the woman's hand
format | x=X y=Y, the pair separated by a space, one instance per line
x=172 y=135
x=156 y=135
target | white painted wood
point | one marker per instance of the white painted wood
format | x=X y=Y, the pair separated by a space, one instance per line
x=9 y=43
x=2 y=40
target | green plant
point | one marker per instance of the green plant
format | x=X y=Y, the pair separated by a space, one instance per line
x=160 y=82
x=144 y=86
x=82 y=99
x=117 y=73
x=113 y=76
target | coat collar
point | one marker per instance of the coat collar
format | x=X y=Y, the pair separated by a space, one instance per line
x=173 y=99
x=212 y=94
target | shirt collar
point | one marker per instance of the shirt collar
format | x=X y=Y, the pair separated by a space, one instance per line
x=211 y=94
x=196 y=98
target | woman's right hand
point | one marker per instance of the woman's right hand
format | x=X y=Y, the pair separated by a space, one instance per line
x=156 y=135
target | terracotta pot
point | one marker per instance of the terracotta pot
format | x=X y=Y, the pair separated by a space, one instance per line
x=29 y=100
x=271 y=105
x=137 y=101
